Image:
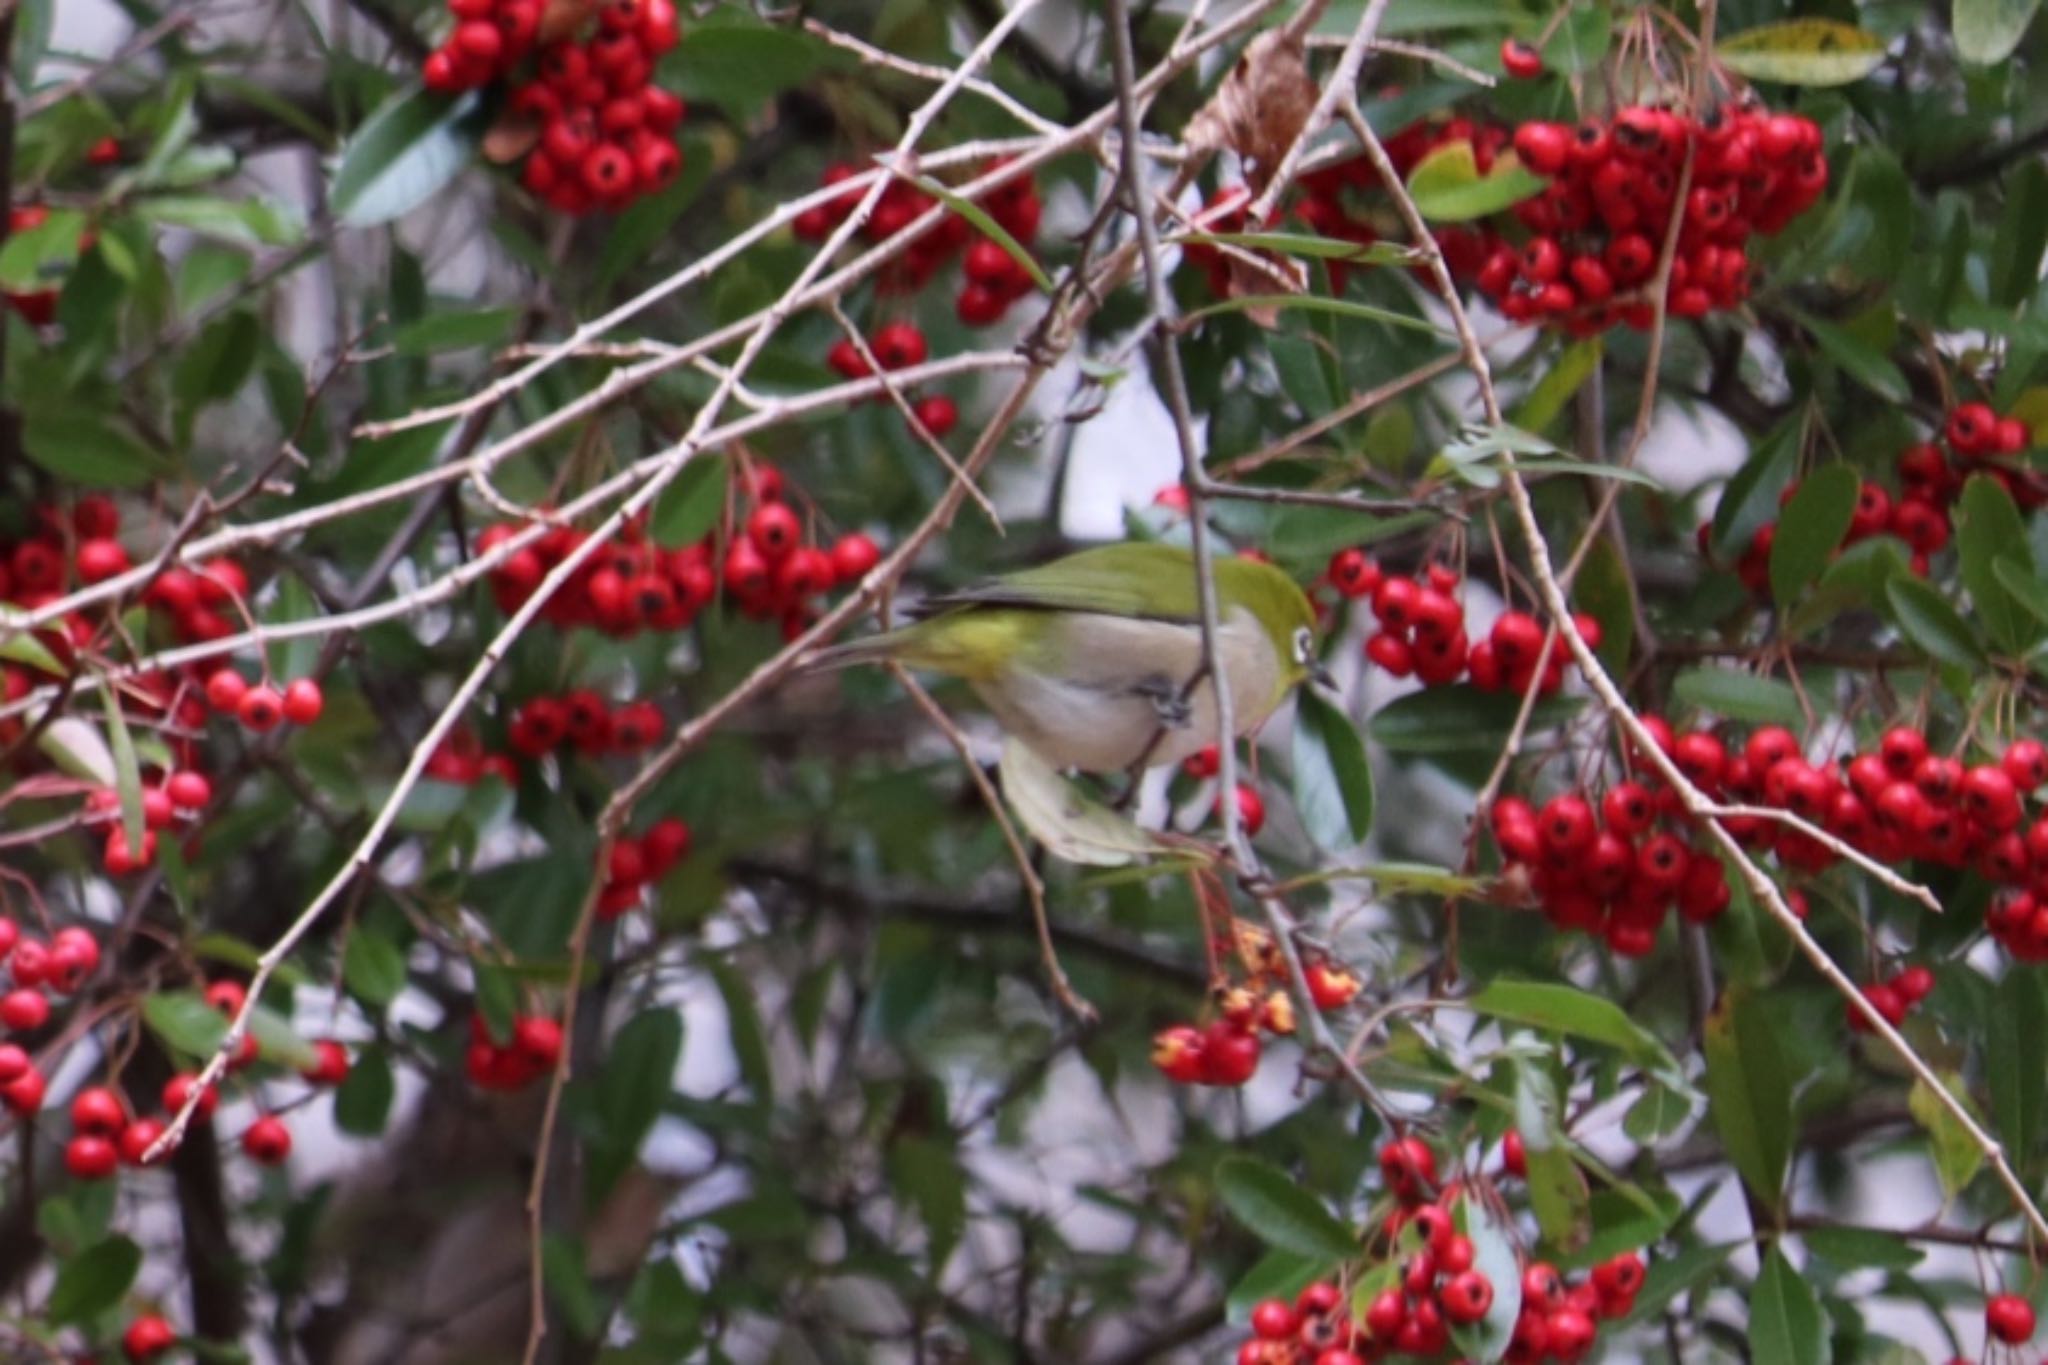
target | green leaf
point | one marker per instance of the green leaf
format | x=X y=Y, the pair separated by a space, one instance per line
x=991 y=229
x=1567 y=1009
x=1862 y=1248
x=1802 y=52
x=213 y=365
x=1567 y=374
x=2018 y=1083
x=2016 y=249
x=1749 y=1093
x=1987 y=31
x=1928 y=622
x=1786 y=1325
x=929 y=1174
x=88 y=447
x=652 y=219
x=93 y=1281
x=1751 y=498
x=1957 y=1157
x=185 y=1022
x=1315 y=303
x=1605 y=589
x=1303 y=244
x=743 y=1027
x=1280 y=1210
x=127 y=772
x=1493 y=1255
x=403 y=155
x=2027 y=589
x=1858 y=359
x=1447 y=187
x=1459 y=719
x=742 y=66
x=362 y=1106
x=1854 y=578
x=372 y=967
x=255 y=221
x=455 y=329
x=279 y=1042
x=689 y=507
x=1558 y=1194
x=1332 y=779
x=639 y=1072
x=1739 y=696
x=1657 y=1113
x=1988 y=529
x=569 y=1287
x=1811 y=528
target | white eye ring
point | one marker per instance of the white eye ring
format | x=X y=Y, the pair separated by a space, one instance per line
x=1304 y=645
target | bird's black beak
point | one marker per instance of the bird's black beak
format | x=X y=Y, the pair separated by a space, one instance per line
x=1319 y=673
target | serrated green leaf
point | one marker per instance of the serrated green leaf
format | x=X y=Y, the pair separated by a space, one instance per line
x=372 y=967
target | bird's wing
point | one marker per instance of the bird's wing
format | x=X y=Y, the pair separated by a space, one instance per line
x=1150 y=582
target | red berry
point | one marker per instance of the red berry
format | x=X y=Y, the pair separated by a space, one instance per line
x=178 y=1089
x=538 y=1039
x=1520 y=60
x=1972 y=429
x=2010 y=1318
x=90 y=1157
x=303 y=702
x=267 y=1142
x=1466 y=1297
x=148 y=1337
x=1251 y=809
x=1354 y=573
x=100 y=559
x=24 y=1010
x=937 y=413
x=97 y=1109
x=899 y=345
x=1275 y=1320
x=24 y=1094
x=225 y=689
x=137 y=1138
x=260 y=709
x=1514 y=1156
x=331 y=1066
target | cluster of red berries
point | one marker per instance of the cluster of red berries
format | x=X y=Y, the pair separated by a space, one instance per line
x=1225 y=1052
x=765 y=563
x=991 y=279
x=1977 y=441
x=1608 y=871
x=532 y=1050
x=38 y=969
x=583 y=718
x=462 y=760
x=1892 y=803
x=637 y=863
x=179 y=796
x=604 y=133
x=2009 y=1318
x=1894 y=998
x=1596 y=229
x=260 y=706
x=897 y=346
x=1422 y=631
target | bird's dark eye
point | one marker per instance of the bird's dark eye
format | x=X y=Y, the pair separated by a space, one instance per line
x=1304 y=645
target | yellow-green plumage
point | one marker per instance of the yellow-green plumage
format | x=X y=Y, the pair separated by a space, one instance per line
x=1085 y=658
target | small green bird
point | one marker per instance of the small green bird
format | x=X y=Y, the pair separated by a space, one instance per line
x=1086 y=659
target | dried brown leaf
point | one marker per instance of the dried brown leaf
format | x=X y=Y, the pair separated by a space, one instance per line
x=510 y=137
x=562 y=18
x=1261 y=107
